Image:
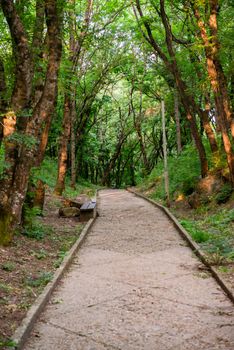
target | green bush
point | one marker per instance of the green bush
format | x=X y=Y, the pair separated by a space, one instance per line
x=8 y=266
x=39 y=281
x=224 y=194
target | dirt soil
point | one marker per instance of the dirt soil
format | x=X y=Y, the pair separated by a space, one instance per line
x=135 y=285
x=28 y=264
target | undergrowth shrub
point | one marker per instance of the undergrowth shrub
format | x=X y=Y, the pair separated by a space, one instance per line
x=32 y=227
x=184 y=172
x=198 y=235
x=39 y=281
x=224 y=194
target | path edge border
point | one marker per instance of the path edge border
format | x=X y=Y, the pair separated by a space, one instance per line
x=193 y=245
x=23 y=331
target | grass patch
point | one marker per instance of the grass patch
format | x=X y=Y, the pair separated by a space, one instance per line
x=198 y=235
x=7 y=343
x=215 y=235
x=8 y=266
x=36 y=230
x=39 y=281
x=5 y=287
x=184 y=172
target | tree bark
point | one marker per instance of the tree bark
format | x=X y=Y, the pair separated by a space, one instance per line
x=23 y=76
x=63 y=152
x=43 y=142
x=177 y=120
x=218 y=80
x=172 y=66
x=12 y=201
x=3 y=102
x=73 y=144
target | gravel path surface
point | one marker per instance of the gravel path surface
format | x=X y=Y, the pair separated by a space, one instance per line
x=135 y=285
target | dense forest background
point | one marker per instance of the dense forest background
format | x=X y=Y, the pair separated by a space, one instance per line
x=81 y=90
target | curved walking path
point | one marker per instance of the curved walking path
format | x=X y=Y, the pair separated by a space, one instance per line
x=135 y=285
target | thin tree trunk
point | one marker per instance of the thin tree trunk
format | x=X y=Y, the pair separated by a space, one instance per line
x=63 y=151
x=137 y=125
x=43 y=142
x=177 y=119
x=73 y=144
x=3 y=102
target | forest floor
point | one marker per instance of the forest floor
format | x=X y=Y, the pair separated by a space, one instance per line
x=29 y=263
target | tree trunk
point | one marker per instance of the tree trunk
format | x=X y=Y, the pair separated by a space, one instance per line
x=3 y=102
x=172 y=66
x=177 y=120
x=12 y=201
x=63 y=152
x=23 y=79
x=73 y=143
x=43 y=142
x=218 y=81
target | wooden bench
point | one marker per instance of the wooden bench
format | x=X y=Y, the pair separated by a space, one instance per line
x=87 y=211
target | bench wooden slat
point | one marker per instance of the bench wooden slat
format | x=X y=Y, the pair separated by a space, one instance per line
x=88 y=206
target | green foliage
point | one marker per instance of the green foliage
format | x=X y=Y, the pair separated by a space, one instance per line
x=41 y=254
x=8 y=266
x=196 y=233
x=3 y=163
x=36 y=230
x=61 y=255
x=39 y=281
x=224 y=194
x=32 y=227
x=47 y=172
x=82 y=186
x=184 y=171
x=5 y=287
x=9 y=343
x=215 y=234
x=22 y=139
x=221 y=223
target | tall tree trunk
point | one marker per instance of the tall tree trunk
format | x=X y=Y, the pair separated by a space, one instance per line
x=39 y=52
x=12 y=201
x=204 y=115
x=23 y=79
x=19 y=100
x=3 y=102
x=137 y=125
x=177 y=120
x=73 y=143
x=172 y=66
x=63 y=151
x=218 y=80
x=186 y=100
x=43 y=142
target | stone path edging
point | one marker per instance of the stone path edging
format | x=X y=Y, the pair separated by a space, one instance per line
x=23 y=331
x=193 y=245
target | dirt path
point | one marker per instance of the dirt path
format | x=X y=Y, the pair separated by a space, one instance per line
x=135 y=285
